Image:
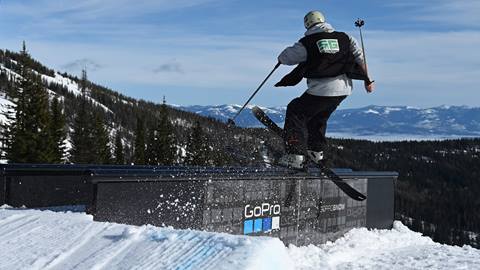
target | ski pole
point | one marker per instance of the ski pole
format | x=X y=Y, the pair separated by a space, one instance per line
x=359 y=23
x=231 y=121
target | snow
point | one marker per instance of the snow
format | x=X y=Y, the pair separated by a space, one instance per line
x=36 y=239
x=399 y=248
x=66 y=82
x=426 y=124
x=428 y=111
x=6 y=107
x=372 y=111
x=232 y=108
x=10 y=72
x=72 y=87
x=265 y=109
x=392 y=109
x=182 y=122
x=126 y=102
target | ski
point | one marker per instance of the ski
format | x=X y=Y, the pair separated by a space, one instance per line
x=266 y=121
x=337 y=180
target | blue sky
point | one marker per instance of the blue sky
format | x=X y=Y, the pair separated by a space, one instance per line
x=421 y=53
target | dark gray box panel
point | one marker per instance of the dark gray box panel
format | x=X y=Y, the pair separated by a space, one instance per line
x=380 y=206
x=46 y=185
x=48 y=190
x=3 y=190
x=163 y=203
x=298 y=209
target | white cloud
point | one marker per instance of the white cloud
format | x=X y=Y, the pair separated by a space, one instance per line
x=99 y=19
x=425 y=55
x=464 y=13
x=94 y=9
x=172 y=66
x=79 y=64
x=204 y=61
x=424 y=68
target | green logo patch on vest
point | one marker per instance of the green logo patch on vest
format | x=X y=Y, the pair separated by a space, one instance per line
x=328 y=46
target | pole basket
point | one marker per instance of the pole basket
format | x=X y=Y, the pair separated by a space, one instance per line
x=359 y=23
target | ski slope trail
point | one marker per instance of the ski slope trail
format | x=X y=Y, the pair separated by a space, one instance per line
x=35 y=239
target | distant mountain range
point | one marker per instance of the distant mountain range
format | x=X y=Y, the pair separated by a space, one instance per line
x=372 y=121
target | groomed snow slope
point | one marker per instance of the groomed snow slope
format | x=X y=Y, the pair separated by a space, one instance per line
x=34 y=239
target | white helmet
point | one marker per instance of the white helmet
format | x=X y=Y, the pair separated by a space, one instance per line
x=313 y=18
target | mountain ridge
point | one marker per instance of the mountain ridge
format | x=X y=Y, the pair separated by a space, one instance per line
x=444 y=120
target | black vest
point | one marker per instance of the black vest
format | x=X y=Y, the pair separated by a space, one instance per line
x=328 y=54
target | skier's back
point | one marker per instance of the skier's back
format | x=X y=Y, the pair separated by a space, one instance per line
x=326 y=58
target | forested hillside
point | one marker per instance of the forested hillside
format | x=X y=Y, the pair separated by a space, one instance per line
x=48 y=117
x=133 y=120
x=439 y=184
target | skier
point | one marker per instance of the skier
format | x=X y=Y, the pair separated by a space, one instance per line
x=329 y=60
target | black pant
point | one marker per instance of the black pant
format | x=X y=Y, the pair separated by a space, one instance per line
x=306 y=122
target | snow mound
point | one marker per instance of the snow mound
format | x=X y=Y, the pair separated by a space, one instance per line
x=399 y=248
x=34 y=239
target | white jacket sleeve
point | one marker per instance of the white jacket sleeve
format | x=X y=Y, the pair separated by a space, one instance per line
x=356 y=50
x=293 y=55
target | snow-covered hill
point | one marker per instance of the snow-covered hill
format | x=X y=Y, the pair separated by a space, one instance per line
x=373 y=121
x=58 y=79
x=34 y=239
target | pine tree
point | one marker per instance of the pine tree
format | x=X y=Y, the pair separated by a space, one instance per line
x=38 y=121
x=139 y=154
x=30 y=132
x=103 y=153
x=24 y=48
x=218 y=157
x=161 y=148
x=197 y=149
x=119 y=156
x=17 y=140
x=82 y=137
x=57 y=132
x=150 y=153
x=165 y=139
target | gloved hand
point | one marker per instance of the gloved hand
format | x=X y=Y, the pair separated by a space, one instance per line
x=369 y=86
